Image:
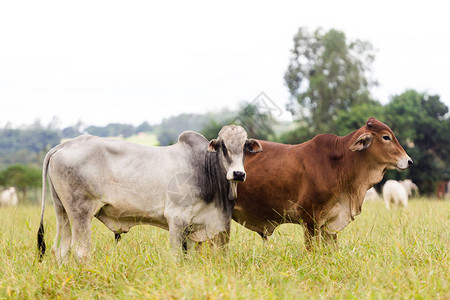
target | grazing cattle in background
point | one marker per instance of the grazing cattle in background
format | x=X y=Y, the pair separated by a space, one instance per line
x=443 y=189
x=447 y=193
x=188 y=188
x=395 y=193
x=320 y=183
x=371 y=195
x=410 y=187
x=9 y=197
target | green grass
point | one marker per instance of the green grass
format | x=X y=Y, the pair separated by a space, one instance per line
x=144 y=138
x=400 y=254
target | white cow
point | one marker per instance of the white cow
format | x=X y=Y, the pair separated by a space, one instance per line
x=188 y=188
x=447 y=195
x=410 y=187
x=9 y=197
x=395 y=193
x=371 y=195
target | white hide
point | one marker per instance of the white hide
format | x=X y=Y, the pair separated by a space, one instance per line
x=394 y=193
x=409 y=186
x=9 y=197
x=371 y=195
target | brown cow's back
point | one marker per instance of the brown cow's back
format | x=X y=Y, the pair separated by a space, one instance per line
x=275 y=192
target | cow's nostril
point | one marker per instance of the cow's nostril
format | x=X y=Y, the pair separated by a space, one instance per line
x=238 y=176
x=410 y=162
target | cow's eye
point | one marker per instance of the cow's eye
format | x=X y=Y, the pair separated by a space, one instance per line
x=386 y=137
x=224 y=149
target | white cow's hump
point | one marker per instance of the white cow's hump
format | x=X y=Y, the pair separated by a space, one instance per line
x=192 y=139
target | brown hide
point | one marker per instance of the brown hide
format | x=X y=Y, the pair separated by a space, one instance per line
x=320 y=183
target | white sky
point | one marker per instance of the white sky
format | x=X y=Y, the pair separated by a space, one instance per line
x=135 y=61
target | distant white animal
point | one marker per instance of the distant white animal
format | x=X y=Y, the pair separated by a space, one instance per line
x=395 y=193
x=9 y=197
x=447 y=195
x=371 y=195
x=409 y=187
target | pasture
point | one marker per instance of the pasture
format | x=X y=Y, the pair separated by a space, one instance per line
x=401 y=253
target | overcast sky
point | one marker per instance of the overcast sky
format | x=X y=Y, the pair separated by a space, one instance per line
x=135 y=61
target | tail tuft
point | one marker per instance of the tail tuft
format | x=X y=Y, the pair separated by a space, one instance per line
x=41 y=242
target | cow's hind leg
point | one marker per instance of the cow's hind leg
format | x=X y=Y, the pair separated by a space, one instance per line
x=61 y=246
x=81 y=228
x=81 y=242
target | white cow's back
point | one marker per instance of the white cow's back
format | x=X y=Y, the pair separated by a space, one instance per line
x=395 y=193
x=9 y=197
x=409 y=187
x=371 y=195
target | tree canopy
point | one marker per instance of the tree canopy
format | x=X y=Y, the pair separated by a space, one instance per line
x=256 y=122
x=422 y=126
x=327 y=73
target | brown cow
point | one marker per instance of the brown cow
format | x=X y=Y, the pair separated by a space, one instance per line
x=320 y=183
x=442 y=189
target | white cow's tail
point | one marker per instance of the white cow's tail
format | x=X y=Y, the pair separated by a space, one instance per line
x=40 y=234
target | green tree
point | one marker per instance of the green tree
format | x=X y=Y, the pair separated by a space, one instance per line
x=144 y=127
x=327 y=73
x=22 y=177
x=26 y=145
x=112 y=129
x=349 y=120
x=257 y=123
x=422 y=126
x=170 y=128
x=346 y=122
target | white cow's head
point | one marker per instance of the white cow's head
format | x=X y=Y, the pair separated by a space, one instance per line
x=231 y=146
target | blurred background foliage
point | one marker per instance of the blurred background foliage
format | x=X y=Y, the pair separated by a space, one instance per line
x=329 y=80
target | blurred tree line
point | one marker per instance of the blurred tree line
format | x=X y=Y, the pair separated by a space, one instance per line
x=110 y=130
x=22 y=150
x=29 y=144
x=26 y=145
x=23 y=177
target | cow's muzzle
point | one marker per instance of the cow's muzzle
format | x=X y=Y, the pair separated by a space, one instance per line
x=239 y=176
x=404 y=163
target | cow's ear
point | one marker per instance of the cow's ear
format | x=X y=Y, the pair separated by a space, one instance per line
x=362 y=142
x=213 y=145
x=253 y=146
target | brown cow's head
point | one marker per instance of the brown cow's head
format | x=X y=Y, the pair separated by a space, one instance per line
x=231 y=146
x=379 y=140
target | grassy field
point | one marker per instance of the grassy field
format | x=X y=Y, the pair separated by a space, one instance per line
x=144 y=138
x=397 y=254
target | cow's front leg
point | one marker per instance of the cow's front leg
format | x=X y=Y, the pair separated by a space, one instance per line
x=178 y=232
x=387 y=202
